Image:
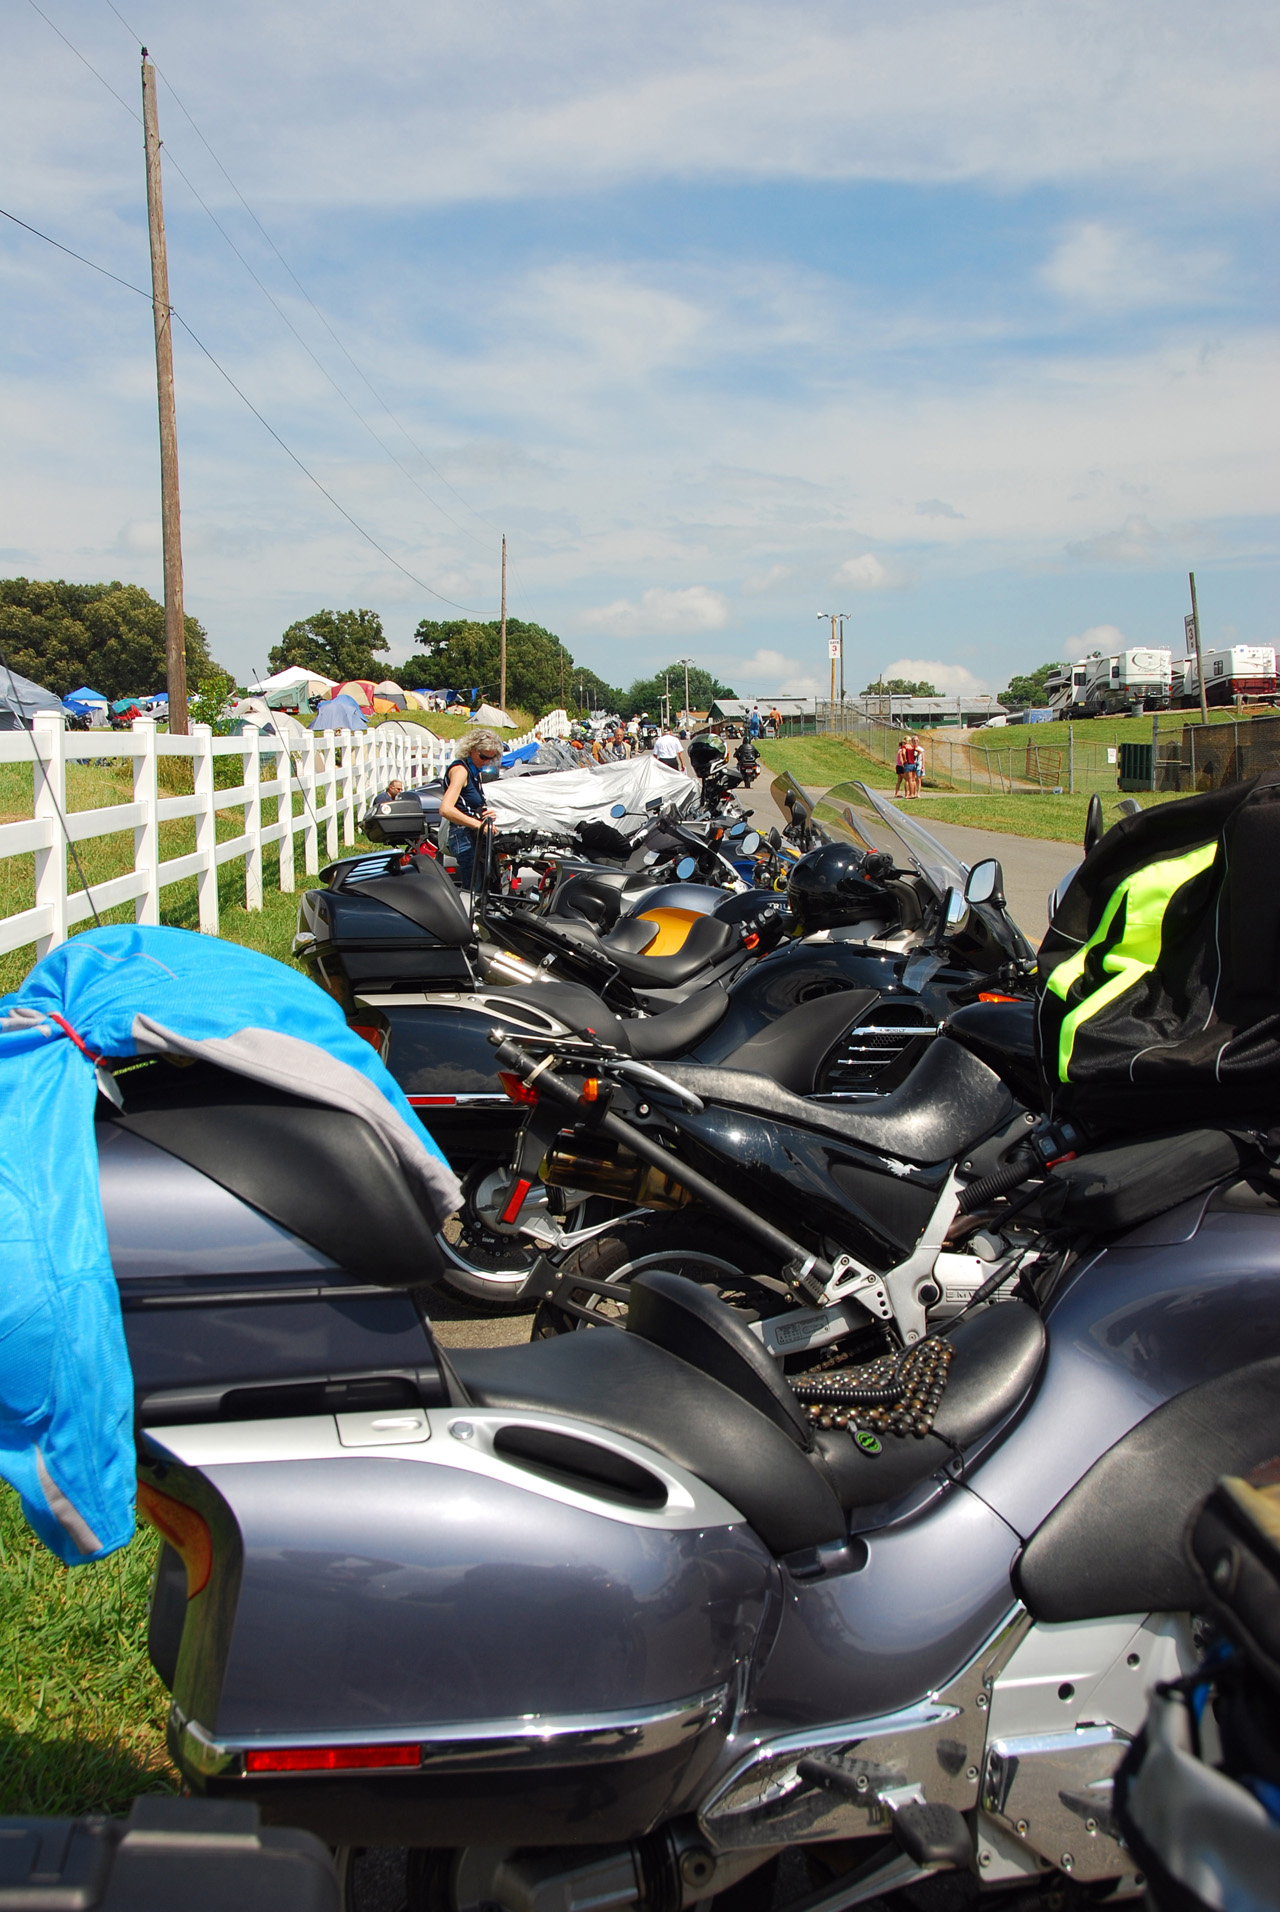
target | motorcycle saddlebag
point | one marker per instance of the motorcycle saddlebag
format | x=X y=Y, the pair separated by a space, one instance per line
x=1159 y=978
x=384 y=924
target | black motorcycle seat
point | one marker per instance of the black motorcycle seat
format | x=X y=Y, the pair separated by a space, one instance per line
x=622 y=1382
x=675 y=1031
x=999 y=1352
x=948 y=1103
x=708 y=940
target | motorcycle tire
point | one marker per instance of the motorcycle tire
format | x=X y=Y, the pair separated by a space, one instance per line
x=695 y=1245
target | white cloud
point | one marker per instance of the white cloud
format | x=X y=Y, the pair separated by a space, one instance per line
x=140 y=537
x=865 y=573
x=1106 y=638
x=773 y=579
x=1136 y=542
x=949 y=678
x=937 y=508
x=1107 y=268
x=695 y=608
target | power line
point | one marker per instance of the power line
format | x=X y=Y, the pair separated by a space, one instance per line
x=89 y=63
x=287 y=449
x=403 y=429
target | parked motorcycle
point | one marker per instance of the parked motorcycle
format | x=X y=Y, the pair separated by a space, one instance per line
x=846 y=1012
x=622 y=1616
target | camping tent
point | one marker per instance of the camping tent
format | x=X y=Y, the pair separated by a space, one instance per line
x=256 y=714
x=86 y=696
x=306 y=683
x=20 y=699
x=360 y=691
x=493 y=718
x=340 y=713
x=389 y=693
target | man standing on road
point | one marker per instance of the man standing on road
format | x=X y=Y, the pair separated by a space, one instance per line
x=667 y=750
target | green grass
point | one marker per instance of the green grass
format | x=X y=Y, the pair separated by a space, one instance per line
x=1059 y=819
x=81 y=1712
x=817 y=762
x=1097 y=730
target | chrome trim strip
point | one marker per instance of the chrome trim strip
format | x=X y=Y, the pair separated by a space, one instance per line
x=531 y=1741
x=938 y=1744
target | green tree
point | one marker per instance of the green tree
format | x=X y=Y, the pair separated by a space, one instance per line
x=461 y=655
x=338 y=644
x=901 y=687
x=109 y=636
x=1023 y=692
x=647 y=692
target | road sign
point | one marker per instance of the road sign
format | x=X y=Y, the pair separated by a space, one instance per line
x=1189 y=627
x=833 y=646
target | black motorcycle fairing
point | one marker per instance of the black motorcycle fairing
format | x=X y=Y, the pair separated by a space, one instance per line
x=320 y=1172
x=949 y=1102
x=792 y=1051
x=1002 y=1034
x=625 y=1383
x=1115 y=1542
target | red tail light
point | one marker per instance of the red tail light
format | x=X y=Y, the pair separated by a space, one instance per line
x=517 y=1088
x=185 y=1530
x=375 y=1036
x=328 y=1759
x=989 y=995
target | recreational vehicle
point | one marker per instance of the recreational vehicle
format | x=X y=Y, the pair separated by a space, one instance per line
x=1115 y=686
x=1245 y=670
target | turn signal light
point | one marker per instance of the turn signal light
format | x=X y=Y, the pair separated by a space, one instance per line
x=185 y=1530
x=517 y=1088
x=989 y=995
x=328 y=1759
x=591 y=1089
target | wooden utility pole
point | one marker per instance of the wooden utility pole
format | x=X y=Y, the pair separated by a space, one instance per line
x=1195 y=629
x=502 y=641
x=175 y=636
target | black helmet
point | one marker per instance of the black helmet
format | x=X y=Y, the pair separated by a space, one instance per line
x=705 y=753
x=839 y=884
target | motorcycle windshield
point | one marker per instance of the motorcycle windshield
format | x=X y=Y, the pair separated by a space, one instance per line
x=854 y=813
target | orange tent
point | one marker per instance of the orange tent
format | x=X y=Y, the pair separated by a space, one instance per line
x=361 y=689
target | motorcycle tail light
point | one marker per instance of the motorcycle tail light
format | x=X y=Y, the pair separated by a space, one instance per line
x=518 y=1089
x=989 y=995
x=184 y=1529
x=328 y=1759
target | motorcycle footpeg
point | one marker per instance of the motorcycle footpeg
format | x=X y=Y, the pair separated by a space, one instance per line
x=935 y=1836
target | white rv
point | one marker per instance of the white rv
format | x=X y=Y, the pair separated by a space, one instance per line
x=1245 y=670
x=1114 y=686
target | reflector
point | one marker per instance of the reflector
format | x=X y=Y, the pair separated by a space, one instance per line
x=328 y=1759
x=185 y=1530
x=517 y=1088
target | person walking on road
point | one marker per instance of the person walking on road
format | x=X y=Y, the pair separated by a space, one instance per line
x=667 y=750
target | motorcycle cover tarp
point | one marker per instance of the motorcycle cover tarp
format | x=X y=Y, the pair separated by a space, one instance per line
x=1159 y=978
x=66 y=1394
x=569 y=797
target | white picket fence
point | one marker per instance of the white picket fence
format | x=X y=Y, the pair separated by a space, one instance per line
x=336 y=772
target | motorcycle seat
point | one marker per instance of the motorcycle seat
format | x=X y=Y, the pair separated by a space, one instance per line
x=690 y=1380
x=708 y=941
x=948 y=1103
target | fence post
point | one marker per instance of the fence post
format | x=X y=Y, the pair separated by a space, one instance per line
x=206 y=827
x=310 y=829
x=146 y=835
x=50 y=796
x=253 y=820
x=1071 y=760
x=348 y=789
x=331 y=796
x=284 y=815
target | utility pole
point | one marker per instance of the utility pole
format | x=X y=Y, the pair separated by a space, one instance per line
x=1195 y=628
x=175 y=636
x=686 y=661
x=837 y=649
x=502 y=641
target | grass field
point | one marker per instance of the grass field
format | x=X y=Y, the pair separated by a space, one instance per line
x=1059 y=819
x=1097 y=730
x=820 y=761
x=81 y=1712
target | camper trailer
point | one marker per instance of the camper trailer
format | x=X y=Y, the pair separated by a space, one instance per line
x=1115 y=686
x=1245 y=670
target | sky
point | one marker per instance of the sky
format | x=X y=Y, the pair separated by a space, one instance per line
x=954 y=318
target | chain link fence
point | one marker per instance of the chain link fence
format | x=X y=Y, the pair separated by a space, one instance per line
x=990 y=767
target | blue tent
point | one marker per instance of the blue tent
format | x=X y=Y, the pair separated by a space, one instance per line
x=340 y=713
x=525 y=754
x=66 y=1393
x=85 y=696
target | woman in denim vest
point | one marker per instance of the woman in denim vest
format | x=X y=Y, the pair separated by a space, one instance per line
x=463 y=804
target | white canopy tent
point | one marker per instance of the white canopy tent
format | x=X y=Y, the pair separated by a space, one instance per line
x=493 y=718
x=296 y=677
x=565 y=798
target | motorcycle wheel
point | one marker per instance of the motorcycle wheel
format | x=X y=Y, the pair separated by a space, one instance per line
x=483 y=1267
x=697 y=1246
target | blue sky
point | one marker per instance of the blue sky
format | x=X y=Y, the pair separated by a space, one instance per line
x=958 y=318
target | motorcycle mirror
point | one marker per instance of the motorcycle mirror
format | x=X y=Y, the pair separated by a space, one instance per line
x=775 y=838
x=654 y=804
x=1094 y=827
x=985 y=883
x=750 y=843
x=618 y=810
x=686 y=867
x=955 y=911
x=739 y=829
